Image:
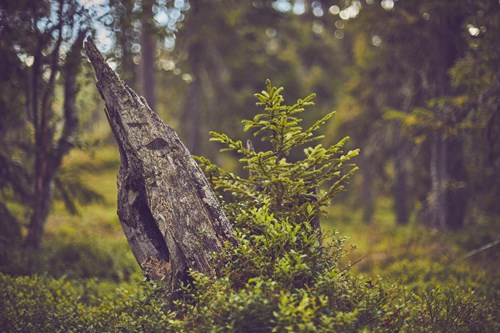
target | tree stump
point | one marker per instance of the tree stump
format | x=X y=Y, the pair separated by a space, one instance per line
x=166 y=206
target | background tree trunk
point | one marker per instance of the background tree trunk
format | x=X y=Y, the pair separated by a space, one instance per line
x=148 y=50
x=49 y=154
x=448 y=199
x=167 y=208
x=368 y=203
x=400 y=188
x=191 y=117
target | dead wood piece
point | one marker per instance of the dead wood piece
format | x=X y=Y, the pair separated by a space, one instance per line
x=167 y=208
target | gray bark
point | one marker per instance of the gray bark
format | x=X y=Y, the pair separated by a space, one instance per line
x=400 y=187
x=367 y=189
x=448 y=198
x=148 y=48
x=192 y=115
x=401 y=194
x=167 y=208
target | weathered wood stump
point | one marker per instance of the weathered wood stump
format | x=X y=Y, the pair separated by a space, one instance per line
x=167 y=208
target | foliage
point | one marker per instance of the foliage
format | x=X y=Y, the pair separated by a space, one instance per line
x=445 y=102
x=73 y=257
x=280 y=277
x=41 y=304
x=297 y=190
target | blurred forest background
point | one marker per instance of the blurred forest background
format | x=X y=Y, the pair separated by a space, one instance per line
x=416 y=86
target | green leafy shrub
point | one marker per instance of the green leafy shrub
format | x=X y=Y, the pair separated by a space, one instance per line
x=454 y=309
x=280 y=276
x=283 y=280
x=44 y=304
x=294 y=190
x=283 y=275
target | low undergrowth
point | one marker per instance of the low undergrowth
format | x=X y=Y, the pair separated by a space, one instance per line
x=284 y=275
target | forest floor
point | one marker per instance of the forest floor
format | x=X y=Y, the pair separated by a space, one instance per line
x=91 y=245
x=381 y=248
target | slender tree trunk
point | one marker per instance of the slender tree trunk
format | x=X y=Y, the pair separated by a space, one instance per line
x=367 y=190
x=123 y=13
x=40 y=213
x=148 y=49
x=192 y=116
x=457 y=191
x=437 y=196
x=49 y=154
x=400 y=189
x=448 y=197
x=401 y=195
x=42 y=178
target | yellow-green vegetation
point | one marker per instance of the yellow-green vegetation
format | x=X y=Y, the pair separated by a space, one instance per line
x=282 y=276
x=89 y=244
x=98 y=170
x=418 y=256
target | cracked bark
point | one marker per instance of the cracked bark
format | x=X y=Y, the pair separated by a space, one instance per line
x=167 y=208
